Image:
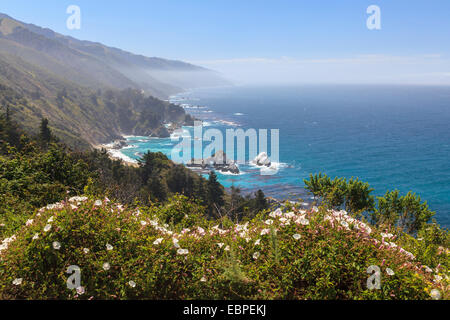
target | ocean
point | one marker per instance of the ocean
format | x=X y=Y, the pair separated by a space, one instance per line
x=393 y=137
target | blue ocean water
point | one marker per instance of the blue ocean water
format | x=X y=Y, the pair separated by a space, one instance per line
x=394 y=137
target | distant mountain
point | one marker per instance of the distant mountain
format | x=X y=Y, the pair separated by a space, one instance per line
x=98 y=66
x=90 y=93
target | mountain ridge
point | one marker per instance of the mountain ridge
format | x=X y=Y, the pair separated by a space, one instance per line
x=80 y=88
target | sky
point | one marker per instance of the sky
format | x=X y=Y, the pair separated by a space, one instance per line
x=315 y=41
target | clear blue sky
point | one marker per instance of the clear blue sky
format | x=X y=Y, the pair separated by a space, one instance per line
x=222 y=33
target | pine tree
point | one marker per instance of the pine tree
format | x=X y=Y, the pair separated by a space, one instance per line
x=260 y=201
x=215 y=192
x=45 y=132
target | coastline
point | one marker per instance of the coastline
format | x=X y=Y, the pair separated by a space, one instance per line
x=116 y=154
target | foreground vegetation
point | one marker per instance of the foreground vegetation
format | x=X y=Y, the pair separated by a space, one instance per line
x=170 y=251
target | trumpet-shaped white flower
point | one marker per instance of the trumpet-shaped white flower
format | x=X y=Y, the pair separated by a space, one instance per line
x=158 y=241
x=29 y=222
x=203 y=279
x=435 y=294
x=86 y=250
x=296 y=236
x=47 y=228
x=143 y=223
x=227 y=248
x=303 y=221
x=344 y=224
x=80 y=290
x=50 y=220
x=78 y=199
x=56 y=245
x=106 y=266
x=182 y=251
x=258 y=242
x=132 y=284
x=265 y=231
x=269 y=222
x=17 y=282
x=290 y=215
x=201 y=231
x=387 y=235
x=98 y=203
x=109 y=247
x=36 y=236
x=390 y=272
x=428 y=269
x=256 y=255
x=175 y=243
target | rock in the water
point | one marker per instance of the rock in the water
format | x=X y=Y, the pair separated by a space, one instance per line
x=263 y=160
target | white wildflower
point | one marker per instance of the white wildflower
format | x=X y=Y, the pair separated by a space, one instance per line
x=47 y=228
x=258 y=242
x=428 y=269
x=227 y=248
x=303 y=221
x=50 y=220
x=269 y=222
x=296 y=236
x=203 y=279
x=290 y=215
x=106 y=266
x=17 y=282
x=390 y=272
x=132 y=284
x=98 y=203
x=265 y=231
x=80 y=290
x=86 y=250
x=158 y=241
x=109 y=247
x=221 y=244
x=56 y=245
x=143 y=223
x=78 y=199
x=182 y=251
x=36 y=236
x=175 y=243
x=344 y=224
x=29 y=222
x=256 y=255
x=435 y=294
x=392 y=244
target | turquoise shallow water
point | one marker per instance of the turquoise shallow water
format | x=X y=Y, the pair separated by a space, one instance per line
x=392 y=137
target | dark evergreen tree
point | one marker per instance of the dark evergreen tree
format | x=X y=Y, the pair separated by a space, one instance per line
x=45 y=134
x=260 y=201
x=215 y=192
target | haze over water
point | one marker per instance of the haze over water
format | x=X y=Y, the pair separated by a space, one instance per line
x=390 y=136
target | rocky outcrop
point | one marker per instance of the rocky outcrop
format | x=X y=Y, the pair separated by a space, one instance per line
x=217 y=162
x=262 y=160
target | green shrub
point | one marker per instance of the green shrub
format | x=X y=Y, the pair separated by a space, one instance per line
x=318 y=254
